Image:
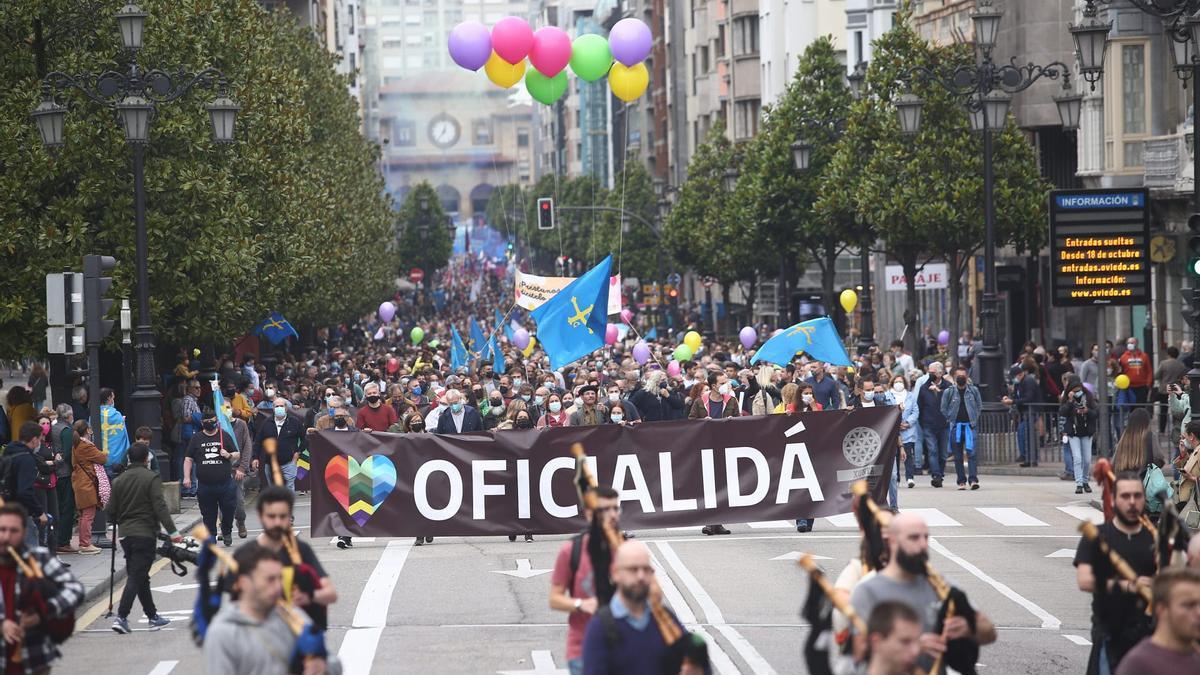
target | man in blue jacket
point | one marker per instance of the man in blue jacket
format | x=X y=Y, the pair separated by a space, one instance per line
x=935 y=436
x=961 y=405
x=825 y=388
x=459 y=418
x=22 y=474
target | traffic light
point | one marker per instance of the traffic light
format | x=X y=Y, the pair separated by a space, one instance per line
x=672 y=293
x=545 y=208
x=1193 y=246
x=96 y=302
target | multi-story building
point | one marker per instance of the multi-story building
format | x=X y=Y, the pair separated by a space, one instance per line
x=866 y=22
x=434 y=120
x=722 y=39
x=336 y=24
x=787 y=28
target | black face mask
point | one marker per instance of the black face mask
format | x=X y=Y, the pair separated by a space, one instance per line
x=229 y=392
x=208 y=425
x=340 y=422
x=419 y=427
x=524 y=424
x=503 y=390
x=913 y=564
x=961 y=381
x=372 y=399
x=478 y=394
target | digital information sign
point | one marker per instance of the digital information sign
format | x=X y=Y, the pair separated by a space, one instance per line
x=1100 y=247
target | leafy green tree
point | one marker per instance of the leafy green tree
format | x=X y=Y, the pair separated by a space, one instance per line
x=639 y=252
x=423 y=235
x=924 y=195
x=233 y=232
x=782 y=198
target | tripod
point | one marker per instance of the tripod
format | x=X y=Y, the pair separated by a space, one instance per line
x=112 y=571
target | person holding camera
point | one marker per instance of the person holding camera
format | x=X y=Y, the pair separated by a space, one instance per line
x=1078 y=412
x=138 y=508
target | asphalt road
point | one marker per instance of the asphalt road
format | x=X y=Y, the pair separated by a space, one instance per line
x=449 y=608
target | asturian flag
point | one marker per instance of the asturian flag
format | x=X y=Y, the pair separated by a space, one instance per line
x=572 y=323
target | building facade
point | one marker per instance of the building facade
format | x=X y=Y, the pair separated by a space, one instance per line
x=786 y=29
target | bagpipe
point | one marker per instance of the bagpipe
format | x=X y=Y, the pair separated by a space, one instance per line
x=1103 y=474
x=34 y=591
x=683 y=648
x=299 y=575
x=310 y=642
x=1171 y=535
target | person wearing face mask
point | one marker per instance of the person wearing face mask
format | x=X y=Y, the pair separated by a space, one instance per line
x=961 y=405
x=618 y=415
x=214 y=453
x=588 y=411
x=537 y=407
x=492 y=410
x=909 y=431
x=1136 y=364
x=1079 y=413
x=240 y=404
x=374 y=416
x=555 y=415
x=86 y=461
x=322 y=408
x=717 y=401
x=905 y=579
x=513 y=412
x=290 y=441
x=267 y=404
x=458 y=418
x=614 y=397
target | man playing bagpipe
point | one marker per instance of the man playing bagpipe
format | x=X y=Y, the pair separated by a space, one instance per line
x=306 y=584
x=38 y=599
x=1115 y=563
x=258 y=632
x=952 y=630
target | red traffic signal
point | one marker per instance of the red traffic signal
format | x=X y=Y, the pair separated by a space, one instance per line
x=545 y=213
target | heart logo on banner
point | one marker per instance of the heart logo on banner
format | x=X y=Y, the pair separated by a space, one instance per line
x=362 y=487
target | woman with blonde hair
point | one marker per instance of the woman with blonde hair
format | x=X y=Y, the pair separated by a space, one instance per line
x=1135 y=449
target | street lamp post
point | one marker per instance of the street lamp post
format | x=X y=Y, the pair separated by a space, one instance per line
x=135 y=95
x=1182 y=19
x=986 y=88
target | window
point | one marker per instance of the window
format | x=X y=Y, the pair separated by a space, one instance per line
x=745 y=35
x=481 y=133
x=704 y=66
x=719 y=47
x=413 y=40
x=576 y=118
x=413 y=61
x=404 y=133
x=522 y=138
x=858 y=47
x=393 y=43
x=412 y=19
x=746 y=118
x=1127 y=119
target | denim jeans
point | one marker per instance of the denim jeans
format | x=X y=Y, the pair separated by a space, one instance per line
x=1081 y=457
x=139 y=556
x=894 y=485
x=289 y=474
x=1023 y=438
x=959 y=451
x=804 y=522
x=1067 y=463
x=909 y=461
x=917 y=452
x=937 y=443
x=575 y=666
x=214 y=498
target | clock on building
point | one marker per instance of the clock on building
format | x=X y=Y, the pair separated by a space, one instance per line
x=444 y=130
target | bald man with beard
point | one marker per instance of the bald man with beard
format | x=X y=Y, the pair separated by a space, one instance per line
x=904 y=580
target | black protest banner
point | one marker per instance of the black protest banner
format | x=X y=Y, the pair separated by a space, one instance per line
x=669 y=474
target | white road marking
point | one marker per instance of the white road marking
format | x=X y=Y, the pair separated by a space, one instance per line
x=163 y=667
x=934 y=517
x=720 y=660
x=852 y=537
x=1010 y=517
x=524 y=570
x=772 y=525
x=1048 y=620
x=1083 y=513
x=794 y=429
x=843 y=520
x=713 y=615
x=796 y=555
x=1079 y=640
x=357 y=540
x=1063 y=553
x=370 y=615
x=543 y=664
x=171 y=588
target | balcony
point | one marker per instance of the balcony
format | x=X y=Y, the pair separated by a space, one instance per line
x=1168 y=162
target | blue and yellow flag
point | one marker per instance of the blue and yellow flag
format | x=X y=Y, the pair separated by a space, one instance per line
x=497 y=357
x=458 y=351
x=818 y=338
x=224 y=412
x=276 y=329
x=571 y=324
x=477 y=342
x=114 y=438
x=652 y=335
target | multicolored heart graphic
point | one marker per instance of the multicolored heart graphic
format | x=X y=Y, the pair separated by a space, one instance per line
x=362 y=487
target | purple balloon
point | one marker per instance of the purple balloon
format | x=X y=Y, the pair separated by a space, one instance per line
x=944 y=337
x=630 y=41
x=641 y=353
x=470 y=44
x=520 y=339
x=386 y=311
x=748 y=336
x=1090 y=388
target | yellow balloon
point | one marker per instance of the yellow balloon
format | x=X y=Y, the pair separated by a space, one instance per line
x=529 y=348
x=628 y=82
x=1122 y=381
x=849 y=300
x=502 y=73
x=692 y=340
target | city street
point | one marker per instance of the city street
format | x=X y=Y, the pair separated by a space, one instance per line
x=480 y=605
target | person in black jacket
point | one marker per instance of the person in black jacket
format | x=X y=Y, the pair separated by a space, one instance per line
x=22 y=474
x=655 y=400
x=1078 y=413
x=290 y=439
x=458 y=418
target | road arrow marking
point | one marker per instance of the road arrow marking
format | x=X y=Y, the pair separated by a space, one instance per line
x=1063 y=553
x=796 y=555
x=175 y=587
x=524 y=571
x=543 y=661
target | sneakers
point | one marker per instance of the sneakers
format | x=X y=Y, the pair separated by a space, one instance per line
x=528 y=537
x=121 y=626
x=420 y=541
x=962 y=486
x=912 y=483
x=936 y=482
x=66 y=549
x=1087 y=488
x=1078 y=489
x=158 y=621
x=88 y=550
x=344 y=543
x=227 y=539
x=974 y=486
x=242 y=530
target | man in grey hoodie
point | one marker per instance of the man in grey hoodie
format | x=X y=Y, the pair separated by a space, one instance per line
x=258 y=588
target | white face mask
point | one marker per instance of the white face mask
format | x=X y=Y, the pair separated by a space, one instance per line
x=898 y=386
x=807 y=398
x=868 y=403
x=613 y=398
x=724 y=389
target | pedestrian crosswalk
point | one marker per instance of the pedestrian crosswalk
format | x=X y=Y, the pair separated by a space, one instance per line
x=1044 y=516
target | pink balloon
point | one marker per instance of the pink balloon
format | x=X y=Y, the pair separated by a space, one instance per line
x=673 y=369
x=512 y=38
x=610 y=334
x=551 y=50
x=626 y=316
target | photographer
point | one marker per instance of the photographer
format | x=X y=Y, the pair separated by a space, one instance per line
x=137 y=506
x=1181 y=408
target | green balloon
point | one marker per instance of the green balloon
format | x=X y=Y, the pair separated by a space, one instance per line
x=683 y=353
x=545 y=89
x=434 y=344
x=590 y=57
x=416 y=334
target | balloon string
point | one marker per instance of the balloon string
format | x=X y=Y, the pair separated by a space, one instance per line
x=624 y=174
x=640 y=337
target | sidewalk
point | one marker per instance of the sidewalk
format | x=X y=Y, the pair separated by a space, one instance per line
x=93 y=570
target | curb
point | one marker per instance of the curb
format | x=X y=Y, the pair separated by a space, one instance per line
x=1042 y=472
x=98 y=591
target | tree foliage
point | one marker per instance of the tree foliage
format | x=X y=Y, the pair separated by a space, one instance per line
x=233 y=232
x=423 y=237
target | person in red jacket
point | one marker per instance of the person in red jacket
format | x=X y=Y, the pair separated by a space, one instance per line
x=1135 y=364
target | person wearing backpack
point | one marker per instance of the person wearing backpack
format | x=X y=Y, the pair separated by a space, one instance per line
x=1158 y=490
x=572 y=584
x=19 y=473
